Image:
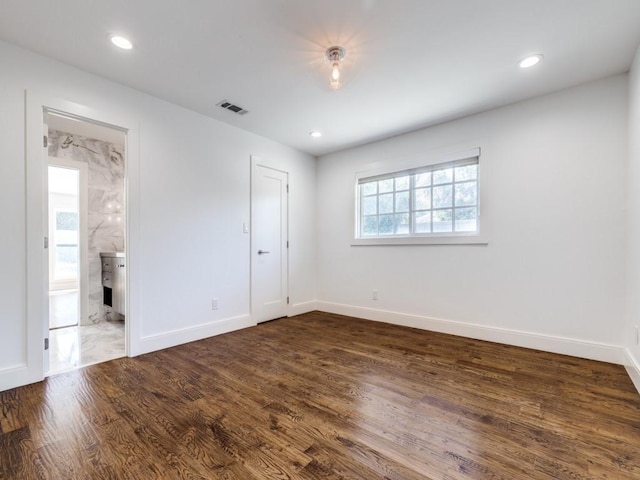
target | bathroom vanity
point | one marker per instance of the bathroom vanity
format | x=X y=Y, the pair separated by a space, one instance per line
x=114 y=280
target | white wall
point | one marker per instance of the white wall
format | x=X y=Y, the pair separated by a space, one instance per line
x=553 y=274
x=194 y=197
x=633 y=237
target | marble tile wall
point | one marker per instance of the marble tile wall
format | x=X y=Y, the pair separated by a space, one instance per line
x=106 y=206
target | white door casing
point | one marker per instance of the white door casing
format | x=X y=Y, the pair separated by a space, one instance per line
x=31 y=367
x=269 y=237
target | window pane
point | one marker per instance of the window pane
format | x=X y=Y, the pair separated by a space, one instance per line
x=423 y=179
x=386 y=185
x=370 y=226
x=442 y=196
x=66 y=221
x=385 y=225
x=466 y=220
x=468 y=172
x=370 y=205
x=66 y=261
x=442 y=221
x=466 y=193
x=402 y=224
x=369 y=188
x=402 y=183
x=386 y=203
x=422 y=198
x=443 y=176
x=422 y=222
x=402 y=202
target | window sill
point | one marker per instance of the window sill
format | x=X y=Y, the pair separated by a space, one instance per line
x=430 y=240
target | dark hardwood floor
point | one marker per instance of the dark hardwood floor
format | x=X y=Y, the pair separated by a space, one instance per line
x=324 y=396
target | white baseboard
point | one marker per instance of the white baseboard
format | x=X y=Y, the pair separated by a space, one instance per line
x=633 y=369
x=191 y=334
x=300 y=308
x=566 y=346
x=16 y=376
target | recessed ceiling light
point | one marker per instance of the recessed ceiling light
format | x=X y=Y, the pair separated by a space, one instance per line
x=531 y=60
x=315 y=134
x=121 y=42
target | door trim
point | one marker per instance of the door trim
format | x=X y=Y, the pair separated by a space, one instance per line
x=83 y=211
x=36 y=301
x=259 y=162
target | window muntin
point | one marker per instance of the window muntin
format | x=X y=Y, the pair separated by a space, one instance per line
x=432 y=200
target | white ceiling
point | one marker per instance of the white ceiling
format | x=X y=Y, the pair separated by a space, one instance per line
x=410 y=63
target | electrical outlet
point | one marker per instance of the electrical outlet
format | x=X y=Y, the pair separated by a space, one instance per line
x=374 y=295
x=214 y=304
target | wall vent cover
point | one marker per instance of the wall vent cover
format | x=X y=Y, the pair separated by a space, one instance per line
x=231 y=107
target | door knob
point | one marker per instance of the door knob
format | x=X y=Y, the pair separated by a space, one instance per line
x=262 y=252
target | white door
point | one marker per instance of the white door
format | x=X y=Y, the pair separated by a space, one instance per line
x=269 y=211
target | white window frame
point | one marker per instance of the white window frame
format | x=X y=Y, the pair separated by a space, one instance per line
x=478 y=237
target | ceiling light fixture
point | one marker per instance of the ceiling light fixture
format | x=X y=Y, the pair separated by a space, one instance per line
x=315 y=134
x=531 y=60
x=121 y=42
x=335 y=55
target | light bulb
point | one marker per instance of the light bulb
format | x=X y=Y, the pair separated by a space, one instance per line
x=335 y=72
x=335 y=76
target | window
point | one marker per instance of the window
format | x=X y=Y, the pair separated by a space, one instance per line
x=65 y=245
x=433 y=201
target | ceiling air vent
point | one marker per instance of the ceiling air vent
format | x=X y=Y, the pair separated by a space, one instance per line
x=233 y=108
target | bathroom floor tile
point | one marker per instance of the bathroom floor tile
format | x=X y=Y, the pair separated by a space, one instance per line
x=79 y=346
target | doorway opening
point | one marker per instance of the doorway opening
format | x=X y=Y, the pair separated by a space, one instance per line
x=86 y=229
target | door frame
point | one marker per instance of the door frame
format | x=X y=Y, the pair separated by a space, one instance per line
x=259 y=162
x=83 y=233
x=36 y=307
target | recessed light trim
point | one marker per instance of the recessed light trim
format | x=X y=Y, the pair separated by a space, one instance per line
x=121 y=42
x=530 y=61
x=315 y=134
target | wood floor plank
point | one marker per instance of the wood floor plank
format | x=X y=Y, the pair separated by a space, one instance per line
x=323 y=396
